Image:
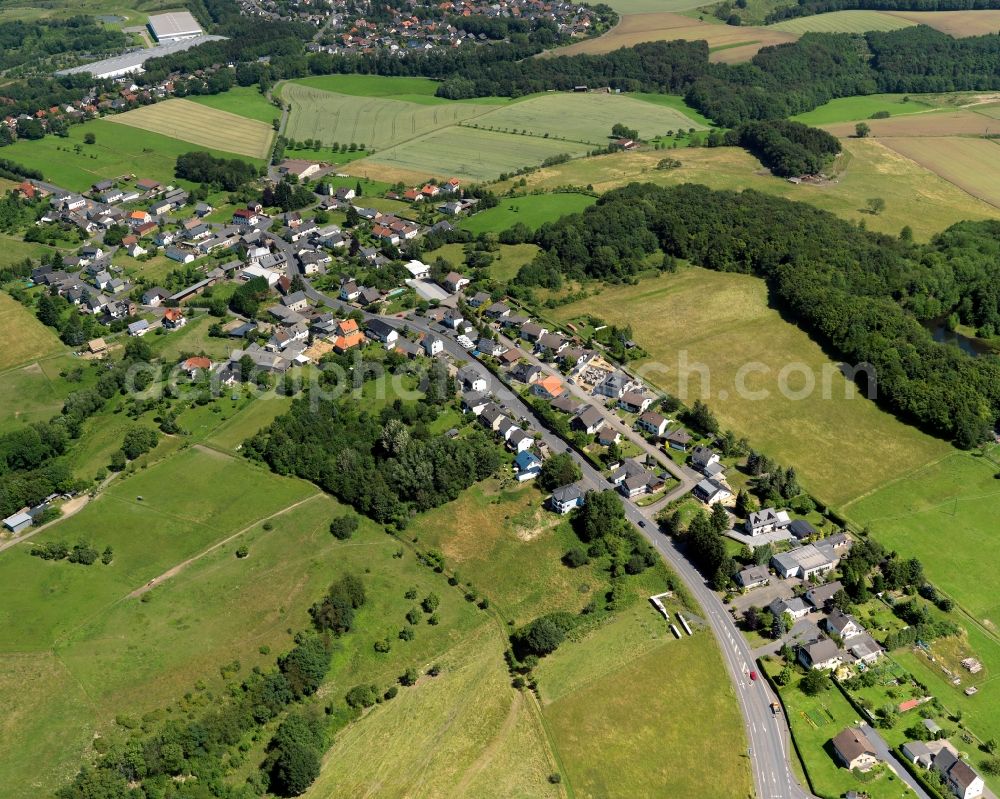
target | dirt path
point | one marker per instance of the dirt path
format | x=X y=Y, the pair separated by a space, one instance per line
x=174 y=571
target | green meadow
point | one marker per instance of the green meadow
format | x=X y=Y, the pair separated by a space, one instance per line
x=533 y=210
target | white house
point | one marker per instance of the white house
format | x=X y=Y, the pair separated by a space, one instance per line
x=566 y=498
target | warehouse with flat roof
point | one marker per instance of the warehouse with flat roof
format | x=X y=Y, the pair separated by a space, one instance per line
x=131 y=62
x=173 y=26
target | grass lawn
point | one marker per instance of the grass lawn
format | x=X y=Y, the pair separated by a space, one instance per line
x=192 y=339
x=246 y=101
x=119 y=150
x=533 y=210
x=25 y=338
x=254 y=417
x=957 y=498
x=914 y=195
x=723 y=321
x=814 y=721
x=35 y=392
x=627 y=732
x=852 y=109
x=13 y=250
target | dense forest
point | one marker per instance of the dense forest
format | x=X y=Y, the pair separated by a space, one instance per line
x=806 y=8
x=863 y=295
x=384 y=464
x=785 y=147
x=24 y=43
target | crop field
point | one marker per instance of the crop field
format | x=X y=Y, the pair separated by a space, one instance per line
x=244 y=101
x=955 y=23
x=533 y=210
x=843 y=22
x=467 y=153
x=724 y=322
x=914 y=196
x=202 y=125
x=853 y=109
x=24 y=337
x=933 y=123
x=376 y=122
x=619 y=732
x=971 y=164
x=584 y=117
x=728 y=44
x=119 y=150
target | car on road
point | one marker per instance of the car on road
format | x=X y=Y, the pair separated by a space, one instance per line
x=466 y=342
x=642 y=523
x=753 y=676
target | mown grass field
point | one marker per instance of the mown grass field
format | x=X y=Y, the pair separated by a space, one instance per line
x=244 y=101
x=628 y=731
x=971 y=164
x=13 y=250
x=25 y=338
x=860 y=108
x=584 y=117
x=723 y=321
x=914 y=196
x=232 y=432
x=628 y=7
x=376 y=122
x=203 y=125
x=414 y=89
x=843 y=22
x=533 y=210
x=464 y=152
x=728 y=44
x=956 y=501
x=675 y=102
x=119 y=150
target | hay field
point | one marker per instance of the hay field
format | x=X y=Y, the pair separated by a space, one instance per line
x=464 y=152
x=584 y=117
x=24 y=337
x=914 y=195
x=199 y=124
x=842 y=445
x=843 y=22
x=932 y=123
x=955 y=23
x=971 y=164
x=376 y=122
x=729 y=44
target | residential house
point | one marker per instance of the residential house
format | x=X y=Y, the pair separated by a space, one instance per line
x=634 y=402
x=960 y=778
x=347 y=341
x=479 y=299
x=841 y=624
x=497 y=310
x=384 y=332
x=452 y=318
x=527 y=466
x=552 y=343
x=519 y=440
x=753 y=577
x=633 y=479
x=174 y=318
x=548 y=387
x=349 y=291
x=821 y=654
x=245 y=217
x=194 y=365
x=139 y=328
x=652 y=423
x=589 y=420
x=703 y=457
x=490 y=347
x=433 y=345
x=532 y=332
x=181 y=256
x=296 y=301
x=155 y=296
x=712 y=491
x=854 y=749
x=767 y=520
x=678 y=439
x=566 y=404
x=566 y=498
x=615 y=386
x=821 y=596
x=471 y=379
x=418 y=269
x=526 y=373
x=454 y=282
x=794 y=607
x=474 y=402
x=607 y=436
x=492 y=416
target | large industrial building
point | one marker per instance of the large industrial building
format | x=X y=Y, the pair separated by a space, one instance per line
x=174 y=26
x=131 y=62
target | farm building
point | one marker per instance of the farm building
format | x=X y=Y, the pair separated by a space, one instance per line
x=17 y=522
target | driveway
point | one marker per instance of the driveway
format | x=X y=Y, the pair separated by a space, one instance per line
x=885 y=754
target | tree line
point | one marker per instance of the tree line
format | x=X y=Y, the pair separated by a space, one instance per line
x=806 y=8
x=862 y=295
